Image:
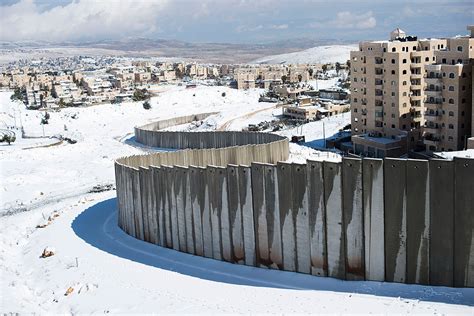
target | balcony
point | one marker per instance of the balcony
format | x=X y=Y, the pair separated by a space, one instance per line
x=431 y=139
x=433 y=116
x=416 y=76
x=437 y=91
x=433 y=103
x=434 y=75
x=416 y=97
x=433 y=128
x=378 y=82
x=378 y=103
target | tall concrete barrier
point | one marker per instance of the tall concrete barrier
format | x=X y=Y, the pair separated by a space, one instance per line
x=317 y=219
x=441 y=222
x=393 y=220
x=418 y=221
x=374 y=219
x=334 y=220
x=353 y=218
x=464 y=222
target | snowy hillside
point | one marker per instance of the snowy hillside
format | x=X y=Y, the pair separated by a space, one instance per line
x=320 y=54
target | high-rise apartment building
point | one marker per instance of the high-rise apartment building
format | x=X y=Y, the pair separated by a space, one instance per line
x=393 y=92
x=448 y=95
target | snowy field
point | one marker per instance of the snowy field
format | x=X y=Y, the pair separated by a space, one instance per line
x=45 y=202
x=315 y=55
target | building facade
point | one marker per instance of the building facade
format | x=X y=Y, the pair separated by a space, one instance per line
x=396 y=92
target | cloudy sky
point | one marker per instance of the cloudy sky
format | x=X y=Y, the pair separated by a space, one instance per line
x=239 y=21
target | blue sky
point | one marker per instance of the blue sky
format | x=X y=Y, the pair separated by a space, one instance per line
x=238 y=21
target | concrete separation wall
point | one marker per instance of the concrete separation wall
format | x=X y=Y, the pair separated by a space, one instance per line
x=394 y=220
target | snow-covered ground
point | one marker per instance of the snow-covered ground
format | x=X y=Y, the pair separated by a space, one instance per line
x=319 y=54
x=45 y=202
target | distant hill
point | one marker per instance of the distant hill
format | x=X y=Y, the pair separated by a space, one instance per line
x=319 y=54
x=145 y=47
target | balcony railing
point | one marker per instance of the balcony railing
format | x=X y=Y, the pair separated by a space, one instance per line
x=434 y=76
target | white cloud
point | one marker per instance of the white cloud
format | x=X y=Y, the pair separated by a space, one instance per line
x=80 y=19
x=348 y=20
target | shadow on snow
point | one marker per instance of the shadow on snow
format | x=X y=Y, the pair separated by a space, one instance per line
x=98 y=227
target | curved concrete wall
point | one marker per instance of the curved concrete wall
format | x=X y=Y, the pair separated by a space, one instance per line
x=394 y=220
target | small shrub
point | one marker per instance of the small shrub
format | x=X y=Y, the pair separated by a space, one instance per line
x=146 y=105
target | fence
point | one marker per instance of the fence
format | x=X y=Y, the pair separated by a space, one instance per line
x=394 y=220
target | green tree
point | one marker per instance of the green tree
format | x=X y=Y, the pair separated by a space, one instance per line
x=54 y=94
x=338 y=68
x=141 y=95
x=325 y=68
x=9 y=138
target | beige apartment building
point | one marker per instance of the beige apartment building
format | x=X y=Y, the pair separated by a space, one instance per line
x=392 y=89
x=448 y=93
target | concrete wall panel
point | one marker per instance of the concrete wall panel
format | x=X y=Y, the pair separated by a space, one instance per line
x=260 y=216
x=441 y=222
x=273 y=218
x=395 y=220
x=287 y=216
x=334 y=220
x=464 y=222
x=317 y=218
x=246 y=204
x=197 y=202
x=374 y=236
x=300 y=210
x=418 y=221
x=235 y=214
x=352 y=193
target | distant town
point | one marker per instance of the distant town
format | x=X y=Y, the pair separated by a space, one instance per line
x=407 y=96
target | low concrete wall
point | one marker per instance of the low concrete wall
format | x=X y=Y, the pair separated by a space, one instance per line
x=394 y=220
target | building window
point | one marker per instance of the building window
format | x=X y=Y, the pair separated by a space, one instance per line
x=464 y=75
x=355 y=110
x=394 y=49
x=463 y=100
x=404 y=83
x=459 y=48
x=414 y=47
x=404 y=61
x=443 y=61
x=393 y=125
x=393 y=93
x=393 y=72
x=451 y=126
x=450 y=138
x=451 y=113
x=392 y=83
x=451 y=88
x=356 y=119
x=404 y=94
x=355 y=100
x=451 y=75
x=462 y=113
x=393 y=105
x=393 y=61
x=404 y=72
x=404 y=104
x=427 y=59
x=393 y=115
x=451 y=101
